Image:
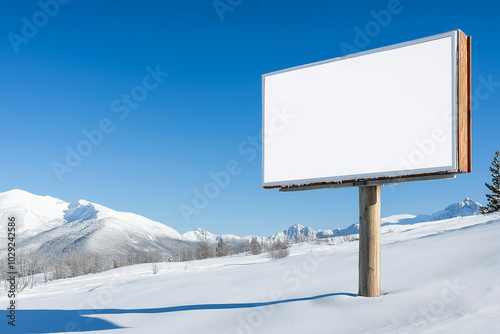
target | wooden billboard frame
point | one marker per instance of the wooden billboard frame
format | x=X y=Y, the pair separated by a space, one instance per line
x=463 y=140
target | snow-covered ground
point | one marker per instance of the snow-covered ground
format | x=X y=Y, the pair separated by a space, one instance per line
x=437 y=277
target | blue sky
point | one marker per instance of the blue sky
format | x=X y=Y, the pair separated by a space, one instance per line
x=87 y=68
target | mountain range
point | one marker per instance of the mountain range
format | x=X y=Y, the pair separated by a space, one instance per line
x=53 y=226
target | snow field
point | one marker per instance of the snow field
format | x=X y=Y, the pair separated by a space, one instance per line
x=438 y=277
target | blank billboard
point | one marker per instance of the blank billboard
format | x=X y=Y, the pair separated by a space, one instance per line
x=386 y=113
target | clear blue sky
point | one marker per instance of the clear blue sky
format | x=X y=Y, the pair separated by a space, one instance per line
x=75 y=70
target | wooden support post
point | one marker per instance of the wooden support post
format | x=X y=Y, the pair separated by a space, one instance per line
x=369 y=241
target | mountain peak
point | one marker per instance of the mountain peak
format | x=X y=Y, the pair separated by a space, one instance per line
x=200 y=234
x=35 y=213
x=297 y=226
x=19 y=194
x=16 y=191
x=468 y=202
x=466 y=207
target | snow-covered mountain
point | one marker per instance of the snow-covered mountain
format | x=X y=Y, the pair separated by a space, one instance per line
x=54 y=226
x=296 y=233
x=235 y=242
x=301 y=233
x=465 y=208
x=201 y=235
x=461 y=209
x=34 y=214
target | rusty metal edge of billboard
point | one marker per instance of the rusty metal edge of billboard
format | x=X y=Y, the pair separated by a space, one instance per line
x=370 y=182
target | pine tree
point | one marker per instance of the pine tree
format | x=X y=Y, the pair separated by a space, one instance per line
x=494 y=187
x=222 y=248
x=255 y=246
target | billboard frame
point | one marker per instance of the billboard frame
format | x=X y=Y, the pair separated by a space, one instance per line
x=461 y=109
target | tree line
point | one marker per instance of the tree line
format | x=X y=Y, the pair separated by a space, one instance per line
x=34 y=269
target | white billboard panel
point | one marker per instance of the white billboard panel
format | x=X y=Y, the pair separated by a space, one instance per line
x=383 y=113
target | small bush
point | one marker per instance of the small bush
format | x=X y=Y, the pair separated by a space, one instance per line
x=279 y=249
x=155 y=268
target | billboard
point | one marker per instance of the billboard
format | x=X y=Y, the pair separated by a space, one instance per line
x=393 y=112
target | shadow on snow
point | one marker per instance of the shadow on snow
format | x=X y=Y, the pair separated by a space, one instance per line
x=61 y=321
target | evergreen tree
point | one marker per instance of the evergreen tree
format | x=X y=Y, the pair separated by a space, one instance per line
x=222 y=248
x=494 y=187
x=255 y=246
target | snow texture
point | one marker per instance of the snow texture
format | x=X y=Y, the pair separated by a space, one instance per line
x=437 y=277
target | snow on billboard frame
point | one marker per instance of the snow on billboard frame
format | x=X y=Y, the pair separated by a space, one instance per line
x=336 y=103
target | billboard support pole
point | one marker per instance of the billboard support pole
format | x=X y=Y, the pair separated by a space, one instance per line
x=369 y=241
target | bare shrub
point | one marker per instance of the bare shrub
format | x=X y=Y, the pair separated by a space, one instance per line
x=155 y=268
x=205 y=250
x=349 y=238
x=187 y=255
x=60 y=269
x=222 y=248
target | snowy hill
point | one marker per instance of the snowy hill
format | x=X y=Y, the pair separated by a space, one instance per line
x=54 y=226
x=437 y=277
